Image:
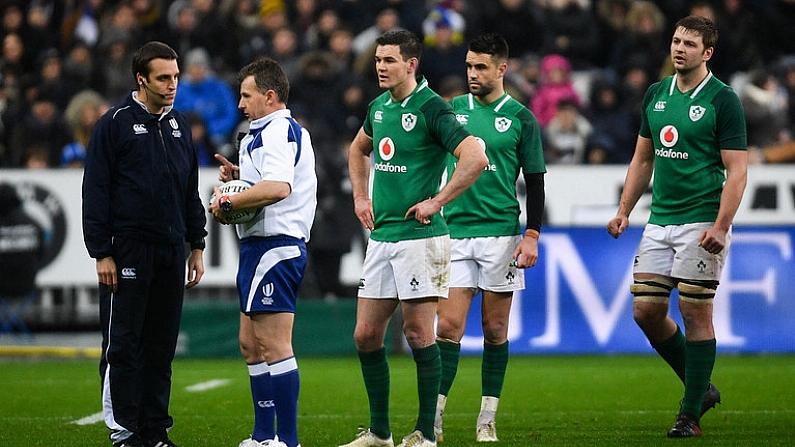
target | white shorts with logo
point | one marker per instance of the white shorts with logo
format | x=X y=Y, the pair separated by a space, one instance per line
x=417 y=268
x=485 y=263
x=673 y=251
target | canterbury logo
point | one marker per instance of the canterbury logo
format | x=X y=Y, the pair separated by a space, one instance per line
x=139 y=129
x=128 y=273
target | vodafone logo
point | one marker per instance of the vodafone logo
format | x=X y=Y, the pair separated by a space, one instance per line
x=386 y=148
x=669 y=136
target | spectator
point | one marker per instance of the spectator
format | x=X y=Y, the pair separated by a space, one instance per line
x=273 y=17
x=444 y=13
x=51 y=80
x=241 y=20
x=341 y=47
x=319 y=34
x=555 y=86
x=313 y=89
x=78 y=65
x=386 y=20
x=780 y=153
x=14 y=56
x=183 y=32
x=212 y=36
x=519 y=21
x=284 y=49
x=615 y=126
x=82 y=114
x=201 y=91
x=765 y=106
x=725 y=60
x=778 y=33
x=82 y=22
x=43 y=131
x=645 y=38
x=571 y=32
x=205 y=148
x=611 y=20
x=523 y=77
x=635 y=79
x=740 y=26
x=444 y=53
x=113 y=75
x=566 y=136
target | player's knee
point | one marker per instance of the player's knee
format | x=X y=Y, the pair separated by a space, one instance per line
x=697 y=292
x=495 y=332
x=449 y=329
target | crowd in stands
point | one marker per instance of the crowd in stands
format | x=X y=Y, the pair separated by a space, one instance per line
x=582 y=66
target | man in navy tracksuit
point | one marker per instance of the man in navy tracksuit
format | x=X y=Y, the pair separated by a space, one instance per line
x=140 y=205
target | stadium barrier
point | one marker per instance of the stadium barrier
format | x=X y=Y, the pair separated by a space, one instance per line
x=577 y=298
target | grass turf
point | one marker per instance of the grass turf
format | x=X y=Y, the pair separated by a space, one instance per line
x=547 y=401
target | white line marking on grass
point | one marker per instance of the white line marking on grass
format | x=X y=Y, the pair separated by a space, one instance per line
x=88 y=420
x=204 y=386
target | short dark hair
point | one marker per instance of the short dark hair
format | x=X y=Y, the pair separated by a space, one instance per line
x=268 y=75
x=490 y=43
x=145 y=54
x=410 y=45
x=702 y=26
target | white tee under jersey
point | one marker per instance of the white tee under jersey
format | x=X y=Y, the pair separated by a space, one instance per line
x=278 y=149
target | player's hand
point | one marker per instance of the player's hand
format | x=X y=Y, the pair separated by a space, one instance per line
x=713 y=240
x=106 y=273
x=526 y=254
x=363 y=207
x=617 y=226
x=227 y=171
x=423 y=211
x=215 y=209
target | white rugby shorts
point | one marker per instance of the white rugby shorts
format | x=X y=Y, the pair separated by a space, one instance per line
x=417 y=268
x=485 y=263
x=673 y=251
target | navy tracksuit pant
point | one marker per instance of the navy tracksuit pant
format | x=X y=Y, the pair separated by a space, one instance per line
x=140 y=324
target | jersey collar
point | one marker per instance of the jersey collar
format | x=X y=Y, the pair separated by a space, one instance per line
x=421 y=85
x=259 y=123
x=695 y=90
x=497 y=104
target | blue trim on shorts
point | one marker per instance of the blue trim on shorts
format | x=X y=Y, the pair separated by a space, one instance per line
x=277 y=290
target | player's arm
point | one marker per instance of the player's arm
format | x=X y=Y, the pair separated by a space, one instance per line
x=526 y=254
x=359 y=172
x=471 y=162
x=635 y=184
x=736 y=163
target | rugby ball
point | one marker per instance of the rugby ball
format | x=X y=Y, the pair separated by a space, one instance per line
x=230 y=188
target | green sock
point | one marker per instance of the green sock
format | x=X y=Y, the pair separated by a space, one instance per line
x=450 y=353
x=492 y=370
x=429 y=372
x=700 y=362
x=673 y=351
x=375 y=370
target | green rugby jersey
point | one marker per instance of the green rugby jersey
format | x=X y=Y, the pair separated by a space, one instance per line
x=512 y=138
x=411 y=141
x=688 y=131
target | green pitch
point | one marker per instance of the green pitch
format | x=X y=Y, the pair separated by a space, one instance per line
x=547 y=401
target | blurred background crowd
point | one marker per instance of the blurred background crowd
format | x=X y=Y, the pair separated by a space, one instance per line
x=582 y=66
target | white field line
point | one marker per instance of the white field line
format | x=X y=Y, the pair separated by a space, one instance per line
x=88 y=420
x=197 y=388
x=210 y=384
